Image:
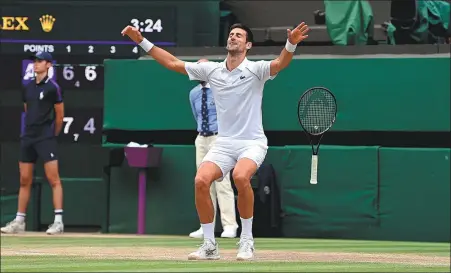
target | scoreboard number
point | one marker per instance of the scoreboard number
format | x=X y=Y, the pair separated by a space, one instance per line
x=68 y=121
x=88 y=127
x=68 y=73
x=90 y=73
x=112 y=49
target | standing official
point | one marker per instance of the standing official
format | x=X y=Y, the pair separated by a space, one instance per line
x=204 y=111
x=42 y=121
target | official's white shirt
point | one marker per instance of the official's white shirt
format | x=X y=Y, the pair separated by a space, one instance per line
x=238 y=95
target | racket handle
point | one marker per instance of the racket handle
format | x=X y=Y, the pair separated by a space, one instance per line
x=314 y=170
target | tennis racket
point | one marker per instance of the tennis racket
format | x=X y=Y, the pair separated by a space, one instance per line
x=317 y=109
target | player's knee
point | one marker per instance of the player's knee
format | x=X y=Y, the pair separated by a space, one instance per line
x=54 y=180
x=25 y=180
x=55 y=183
x=201 y=183
x=242 y=182
x=52 y=174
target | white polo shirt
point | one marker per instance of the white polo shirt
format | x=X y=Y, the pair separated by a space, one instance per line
x=238 y=96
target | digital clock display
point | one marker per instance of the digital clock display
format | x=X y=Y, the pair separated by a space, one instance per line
x=148 y=25
x=83 y=29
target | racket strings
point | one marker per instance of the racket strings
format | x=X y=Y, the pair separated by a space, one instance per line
x=317 y=110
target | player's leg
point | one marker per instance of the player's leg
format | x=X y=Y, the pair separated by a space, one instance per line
x=214 y=201
x=202 y=146
x=52 y=174
x=47 y=150
x=214 y=198
x=250 y=159
x=226 y=200
x=27 y=160
x=215 y=163
x=199 y=233
x=242 y=174
x=206 y=174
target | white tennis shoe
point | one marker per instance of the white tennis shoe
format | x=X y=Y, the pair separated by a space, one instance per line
x=207 y=251
x=245 y=249
x=14 y=227
x=55 y=228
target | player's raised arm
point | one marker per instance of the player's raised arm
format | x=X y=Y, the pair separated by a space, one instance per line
x=163 y=57
x=295 y=36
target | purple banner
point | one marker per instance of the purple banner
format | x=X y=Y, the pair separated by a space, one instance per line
x=28 y=71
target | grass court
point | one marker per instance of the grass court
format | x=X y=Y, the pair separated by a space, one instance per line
x=38 y=252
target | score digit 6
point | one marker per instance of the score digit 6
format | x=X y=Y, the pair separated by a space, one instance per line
x=90 y=73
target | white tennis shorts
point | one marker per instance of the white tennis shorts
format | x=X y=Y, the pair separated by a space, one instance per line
x=226 y=152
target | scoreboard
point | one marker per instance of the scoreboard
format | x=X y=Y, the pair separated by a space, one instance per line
x=79 y=37
x=84 y=29
x=69 y=71
x=81 y=79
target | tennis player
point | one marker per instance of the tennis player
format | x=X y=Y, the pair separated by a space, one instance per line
x=237 y=84
x=41 y=123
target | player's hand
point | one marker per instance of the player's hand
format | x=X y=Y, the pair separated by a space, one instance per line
x=133 y=33
x=298 y=34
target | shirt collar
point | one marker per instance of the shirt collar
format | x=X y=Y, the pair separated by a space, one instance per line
x=241 y=67
x=206 y=86
x=44 y=80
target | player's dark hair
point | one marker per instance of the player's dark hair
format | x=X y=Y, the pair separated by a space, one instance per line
x=249 y=35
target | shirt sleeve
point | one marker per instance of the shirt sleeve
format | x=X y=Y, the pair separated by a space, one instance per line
x=264 y=70
x=58 y=93
x=199 y=71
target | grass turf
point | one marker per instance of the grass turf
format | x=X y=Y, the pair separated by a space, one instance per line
x=63 y=263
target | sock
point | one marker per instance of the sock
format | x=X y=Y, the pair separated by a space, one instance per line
x=246 y=227
x=209 y=231
x=20 y=217
x=58 y=216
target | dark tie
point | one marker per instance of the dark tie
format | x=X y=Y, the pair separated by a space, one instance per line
x=204 y=129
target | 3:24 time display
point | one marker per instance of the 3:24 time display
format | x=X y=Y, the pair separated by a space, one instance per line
x=147 y=25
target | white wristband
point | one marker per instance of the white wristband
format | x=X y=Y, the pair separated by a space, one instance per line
x=146 y=45
x=290 y=47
